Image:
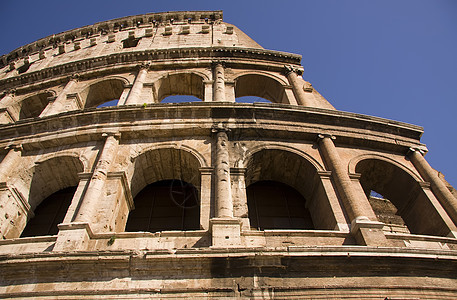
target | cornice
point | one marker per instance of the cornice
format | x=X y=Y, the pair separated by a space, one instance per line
x=231 y=56
x=197 y=119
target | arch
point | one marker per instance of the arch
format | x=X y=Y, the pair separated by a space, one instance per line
x=354 y=161
x=260 y=85
x=263 y=73
x=179 y=83
x=33 y=105
x=304 y=155
x=201 y=159
x=161 y=179
x=52 y=175
x=403 y=201
x=101 y=91
x=68 y=153
x=165 y=163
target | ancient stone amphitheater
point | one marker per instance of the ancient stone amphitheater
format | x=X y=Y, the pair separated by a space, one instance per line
x=208 y=199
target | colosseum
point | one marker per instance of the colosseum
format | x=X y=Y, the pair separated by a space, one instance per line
x=109 y=190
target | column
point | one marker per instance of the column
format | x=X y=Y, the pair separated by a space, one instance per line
x=218 y=82
x=60 y=104
x=442 y=193
x=10 y=161
x=137 y=88
x=224 y=205
x=94 y=194
x=363 y=227
x=225 y=229
x=297 y=86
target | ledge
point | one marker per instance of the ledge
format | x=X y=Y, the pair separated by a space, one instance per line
x=196 y=119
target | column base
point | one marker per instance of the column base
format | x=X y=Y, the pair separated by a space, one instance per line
x=225 y=232
x=368 y=233
x=73 y=237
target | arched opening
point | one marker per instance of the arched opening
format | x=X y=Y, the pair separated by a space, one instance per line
x=397 y=199
x=284 y=192
x=102 y=92
x=32 y=107
x=260 y=86
x=52 y=187
x=165 y=205
x=251 y=99
x=275 y=205
x=187 y=84
x=166 y=189
x=180 y=99
x=49 y=213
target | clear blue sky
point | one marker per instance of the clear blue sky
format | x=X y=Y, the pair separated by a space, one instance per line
x=392 y=59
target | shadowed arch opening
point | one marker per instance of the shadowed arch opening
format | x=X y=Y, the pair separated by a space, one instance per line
x=283 y=192
x=102 y=92
x=398 y=199
x=166 y=189
x=32 y=107
x=260 y=86
x=184 y=84
x=52 y=187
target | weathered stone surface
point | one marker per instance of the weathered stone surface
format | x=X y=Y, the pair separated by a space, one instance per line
x=356 y=212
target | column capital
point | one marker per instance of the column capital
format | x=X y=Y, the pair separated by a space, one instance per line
x=16 y=147
x=216 y=128
x=321 y=136
x=291 y=69
x=415 y=149
x=144 y=66
x=116 y=135
x=215 y=63
x=74 y=77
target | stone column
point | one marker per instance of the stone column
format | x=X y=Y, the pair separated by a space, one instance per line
x=225 y=229
x=10 y=161
x=218 y=82
x=224 y=205
x=94 y=193
x=297 y=86
x=442 y=193
x=60 y=103
x=365 y=229
x=137 y=88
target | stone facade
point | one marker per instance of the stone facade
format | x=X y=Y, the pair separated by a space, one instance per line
x=206 y=199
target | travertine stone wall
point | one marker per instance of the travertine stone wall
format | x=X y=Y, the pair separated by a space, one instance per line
x=55 y=135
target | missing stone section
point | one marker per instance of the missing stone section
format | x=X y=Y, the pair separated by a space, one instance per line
x=131 y=41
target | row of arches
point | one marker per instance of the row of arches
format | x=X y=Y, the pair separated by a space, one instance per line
x=108 y=92
x=284 y=190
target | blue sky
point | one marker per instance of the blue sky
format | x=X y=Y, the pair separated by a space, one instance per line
x=392 y=59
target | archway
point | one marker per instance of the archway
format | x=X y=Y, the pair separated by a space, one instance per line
x=283 y=192
x=189 y=84
x=102 y=92
x=398 y=199
x=260 y=86
x=51 y=190
x=32 y=106
x=166 y=189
